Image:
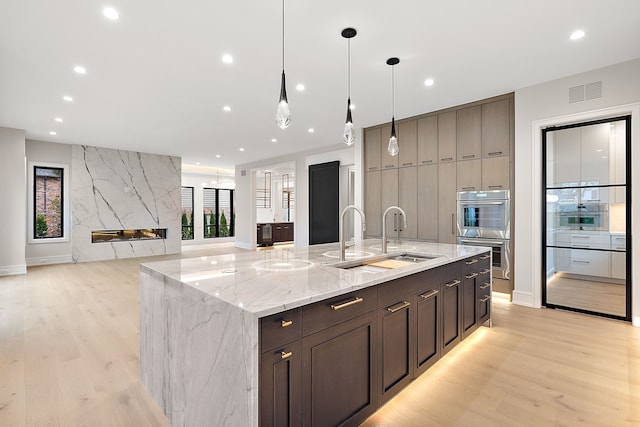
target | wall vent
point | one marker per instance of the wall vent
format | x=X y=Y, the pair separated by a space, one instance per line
x=585 y=92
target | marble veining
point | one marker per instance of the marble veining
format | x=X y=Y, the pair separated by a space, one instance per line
x=116 y=189
x=199 y=318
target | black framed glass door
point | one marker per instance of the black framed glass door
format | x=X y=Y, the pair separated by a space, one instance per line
x=586 y=217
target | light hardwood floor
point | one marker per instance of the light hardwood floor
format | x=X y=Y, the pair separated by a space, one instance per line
x=600 y=297
x=69 y=356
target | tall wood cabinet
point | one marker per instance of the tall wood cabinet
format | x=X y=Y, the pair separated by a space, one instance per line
x=466 y=148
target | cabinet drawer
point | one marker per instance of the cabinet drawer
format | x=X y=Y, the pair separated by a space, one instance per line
x=280 y=328
x=399 y=289
x=618 y=243
x=332 y=311
x=472 y=265
x=591 y=241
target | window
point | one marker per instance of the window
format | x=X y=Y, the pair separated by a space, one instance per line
x=218 y=212
x=187 y=213
x=48 y=214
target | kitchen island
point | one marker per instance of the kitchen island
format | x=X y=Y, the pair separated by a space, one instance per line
x=246 y=339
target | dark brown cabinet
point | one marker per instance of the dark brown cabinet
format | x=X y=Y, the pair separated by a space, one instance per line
x=334 y=362
x=274 y=232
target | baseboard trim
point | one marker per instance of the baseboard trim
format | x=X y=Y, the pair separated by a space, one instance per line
x=243 y=245
x=13 y=270
x=523 y=298
x=58 y=259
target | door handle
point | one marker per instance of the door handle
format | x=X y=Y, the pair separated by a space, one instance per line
x=399 y=306
x=453 y=231
x=430 y=294
x=356 y=300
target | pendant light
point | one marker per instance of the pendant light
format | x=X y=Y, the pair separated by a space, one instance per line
x=349 y=136
x=283 y=115
x=393 y=148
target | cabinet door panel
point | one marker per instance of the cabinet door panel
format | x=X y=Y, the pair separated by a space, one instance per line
x=395 y=333
x=427 y=202
x=408 y=200
x=389 y=197
x=428 y=329
x=469 y=314
x=280 y=386
x=338 y=373
x=373 y=203
x=451 y=305
x=372 y=160
x=408 y=143
x=447 y=137
x=469 y=132
x=447 y=202
x=495 y=128
x=469 y=175
x=495 y=173
x=428 y=140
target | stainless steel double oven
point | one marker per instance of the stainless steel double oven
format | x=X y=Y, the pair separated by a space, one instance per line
x=484 y=220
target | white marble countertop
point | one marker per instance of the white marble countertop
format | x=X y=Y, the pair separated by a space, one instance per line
x=270 y=281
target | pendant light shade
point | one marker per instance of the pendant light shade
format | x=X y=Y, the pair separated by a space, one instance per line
x=349 y=136
x=283 y=115
x=393 y=148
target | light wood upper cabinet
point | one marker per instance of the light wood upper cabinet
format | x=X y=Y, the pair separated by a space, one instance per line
x=408 y=143
x=408 y=201
x=469 y=132
x=372 y=153
x=496 y=128
x=389 y=197
x=428 y=202
x=388 y=161
x=495 y=173
x=373 y=203
x=447 y=136
x=447 y=202
x=469 y=175
x=427 y=140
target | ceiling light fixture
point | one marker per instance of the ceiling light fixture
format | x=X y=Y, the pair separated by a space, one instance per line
x=53 y=133
x=428 y=82
x=110 y=13
x=349 y=136
x=217 y=156
x=274 y=140
x=300 y=87
x=577 y=35
x=227 y=59
x=67 y=98
x=242 y=149
x=311 y=130
x=59 y=119
x=80 y=69
x=226 y=108
x=283 y=115
x=393 y=149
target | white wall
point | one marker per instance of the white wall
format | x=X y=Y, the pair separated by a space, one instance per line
x=14 y=202
x=44 y=251
x=199 y=181
x=548 y=104
x=246 y=190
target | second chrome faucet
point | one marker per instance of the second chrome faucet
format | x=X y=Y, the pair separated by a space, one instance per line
x=384 y=224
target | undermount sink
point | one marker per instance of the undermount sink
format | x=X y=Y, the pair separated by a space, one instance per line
x=385 y=262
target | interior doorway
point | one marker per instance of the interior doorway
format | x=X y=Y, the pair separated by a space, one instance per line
x=586 y=217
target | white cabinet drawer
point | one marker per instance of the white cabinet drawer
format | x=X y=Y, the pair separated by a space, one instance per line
x=590 y=263
x=590 y=241
x=618 y=263
x=618 y=242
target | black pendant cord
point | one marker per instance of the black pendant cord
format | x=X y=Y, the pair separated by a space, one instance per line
x=393 y=92
x=349 y=69
x=283 y=36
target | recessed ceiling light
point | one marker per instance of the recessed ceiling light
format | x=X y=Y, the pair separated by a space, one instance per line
x=274 y=140
x=59 y=119
x=53 y=133
x=299 y=87
x=428 y=82
x=227 y=59
x=197 y=163
x=67 y=98
x=577 y=35
x=242 y=149
x=226 y=108
x=110 y=13
x=311 y=130
x=217 y=156
x=80 y=69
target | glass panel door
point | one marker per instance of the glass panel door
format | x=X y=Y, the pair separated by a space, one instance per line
x=586 y=213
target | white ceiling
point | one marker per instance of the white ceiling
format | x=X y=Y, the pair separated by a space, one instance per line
x=155 y=81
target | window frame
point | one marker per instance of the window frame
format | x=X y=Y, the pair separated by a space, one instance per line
x=66 y=211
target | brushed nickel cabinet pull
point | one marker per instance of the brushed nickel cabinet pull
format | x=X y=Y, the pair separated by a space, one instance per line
x=486 y=298
x=470 y=156
x=430 y=294
x=285 y=323
x=580 y=237
x=468 y=188
x=285 y=354
x=581 y=262
x=446 y=159
x=407 y=164
x=495 y=186
x=372 y=168
x=471 y=276
x=473 y=261
x=580 y=246
x=453 y=231
x=356 y=300
x=485 y=271
x=452 y=283
x=485 y=256
x=427 y=161
x=399 y=306
x=495 y=153
x=389 y=166
x=485 y=286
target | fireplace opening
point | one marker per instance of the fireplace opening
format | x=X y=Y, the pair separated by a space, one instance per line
x=102 y=236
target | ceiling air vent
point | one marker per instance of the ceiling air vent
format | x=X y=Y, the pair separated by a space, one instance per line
x=585 y=92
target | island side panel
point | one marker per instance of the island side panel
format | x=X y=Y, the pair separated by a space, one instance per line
x=198 y=355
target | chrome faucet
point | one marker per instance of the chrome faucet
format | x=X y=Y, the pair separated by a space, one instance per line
x=341 y=226
x=384 y=225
